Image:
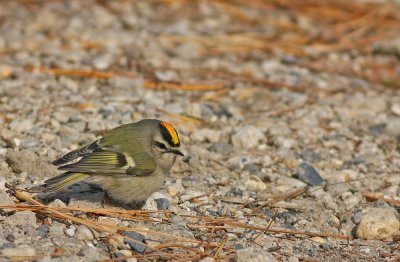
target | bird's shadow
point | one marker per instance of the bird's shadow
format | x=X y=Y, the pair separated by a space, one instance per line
x=85 y=195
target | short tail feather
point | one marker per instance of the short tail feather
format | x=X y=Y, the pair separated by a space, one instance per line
x=59 y=182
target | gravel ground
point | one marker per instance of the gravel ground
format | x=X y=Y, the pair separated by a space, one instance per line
x=260 y=111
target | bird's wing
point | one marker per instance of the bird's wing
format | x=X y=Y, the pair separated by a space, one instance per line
x=111 y=161
x=81 y=152
x=114 y=154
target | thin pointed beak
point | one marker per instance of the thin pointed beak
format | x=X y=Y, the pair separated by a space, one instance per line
x=176 y=152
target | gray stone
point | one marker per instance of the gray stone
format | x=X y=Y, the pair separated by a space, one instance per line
x=122 y=253
x=27 y=161
x=309 y=175
x=87 y=199
x=42 y=230
x=162 y=203
x=135 y=245
x=22 y=219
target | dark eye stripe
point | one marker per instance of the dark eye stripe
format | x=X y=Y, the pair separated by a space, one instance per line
x=160 y=145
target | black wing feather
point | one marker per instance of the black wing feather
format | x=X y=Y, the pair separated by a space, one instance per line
x=83 y=151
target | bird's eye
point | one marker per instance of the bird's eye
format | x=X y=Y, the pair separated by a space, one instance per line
x=160 y=145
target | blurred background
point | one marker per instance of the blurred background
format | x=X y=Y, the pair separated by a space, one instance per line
x=255 y=88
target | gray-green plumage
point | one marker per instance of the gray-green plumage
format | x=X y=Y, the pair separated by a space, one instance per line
x=129 y=162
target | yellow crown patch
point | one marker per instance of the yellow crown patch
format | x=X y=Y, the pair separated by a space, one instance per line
x=172 y=134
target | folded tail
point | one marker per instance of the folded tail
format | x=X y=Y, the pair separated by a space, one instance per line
x=59 y=182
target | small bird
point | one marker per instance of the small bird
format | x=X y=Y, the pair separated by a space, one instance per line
x=130 y=162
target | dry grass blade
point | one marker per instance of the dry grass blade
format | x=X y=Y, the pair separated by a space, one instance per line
x=158 y=85
x=231 y=225
x=275 y=199
x=182 y=243
x=95 y=225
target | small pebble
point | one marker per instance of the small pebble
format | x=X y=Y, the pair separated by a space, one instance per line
x=84 y=233
x=18 y=252
x=70 y=231
x=42 y=230
x=309 y=175
x=135 y=245
x=162 y=203
x=122 y=253
x=206 y=135
x=247 y=137
x=254 y=255
x=116 y=241
x=378 y=223
x=395 y=108
x=175 y=188
x=57 y=203
x=254 y=183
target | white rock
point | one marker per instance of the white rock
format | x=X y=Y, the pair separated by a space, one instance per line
x=350 y=200
x=175 y=188
x=254 y=183
x=84 y=233
x=285 y=184
x=150 y=204
x=125 y=253
x=70 y=231
x=378 y=223
x=57 y=203
x=103 y=62
x=194 y=194
x=19 y=252
x=254 y=255
x=206 y=135
x=247 y=137
x=395 y=108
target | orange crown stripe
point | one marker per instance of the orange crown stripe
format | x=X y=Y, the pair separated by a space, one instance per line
x=172 y=132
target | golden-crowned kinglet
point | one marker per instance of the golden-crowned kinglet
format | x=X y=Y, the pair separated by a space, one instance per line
x=129 y=162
